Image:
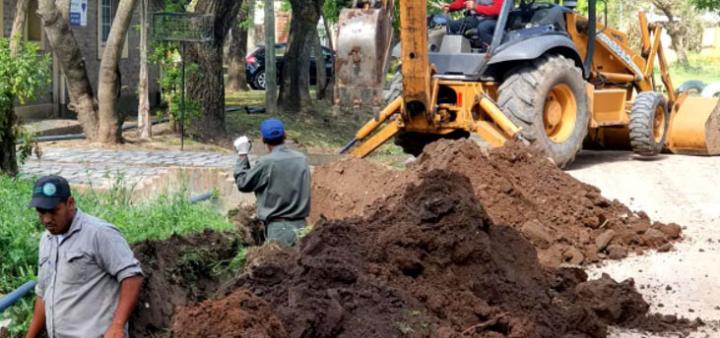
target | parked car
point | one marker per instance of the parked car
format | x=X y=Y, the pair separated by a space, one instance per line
x=255 y=65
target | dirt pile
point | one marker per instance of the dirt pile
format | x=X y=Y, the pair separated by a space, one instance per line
x=427 y=262
x=178 y=271
x=345 y=188
x=241 y=315
x=567 y=221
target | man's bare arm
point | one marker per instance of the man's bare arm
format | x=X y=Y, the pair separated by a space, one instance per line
x=129 y=294
x=37 y=325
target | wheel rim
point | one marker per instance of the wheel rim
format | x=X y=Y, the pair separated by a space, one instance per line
x=659 y=124
x=261 y=79
x=560 y=113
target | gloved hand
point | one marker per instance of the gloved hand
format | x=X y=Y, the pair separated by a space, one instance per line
x=243 y=145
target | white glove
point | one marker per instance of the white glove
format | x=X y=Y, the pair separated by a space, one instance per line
x=242 y=145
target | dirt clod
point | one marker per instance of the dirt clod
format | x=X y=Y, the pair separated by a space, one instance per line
x=616 y=251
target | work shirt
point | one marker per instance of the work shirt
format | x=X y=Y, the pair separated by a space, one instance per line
x=281 y=183
x=79 y=277
x=491 y=8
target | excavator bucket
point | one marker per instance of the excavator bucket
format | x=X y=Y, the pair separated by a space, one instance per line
x=363 y=44
x=695 y=127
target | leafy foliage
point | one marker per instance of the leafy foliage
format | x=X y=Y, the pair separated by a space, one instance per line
x=712 y=5
x=20 y=78
x=167 y=56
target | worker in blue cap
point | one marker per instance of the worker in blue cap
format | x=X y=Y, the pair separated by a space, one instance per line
x=280 y=181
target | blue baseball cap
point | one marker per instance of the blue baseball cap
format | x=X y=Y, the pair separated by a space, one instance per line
x=272 y=129
x=49 y=191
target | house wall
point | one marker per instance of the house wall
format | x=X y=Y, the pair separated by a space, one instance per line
x=87 y=39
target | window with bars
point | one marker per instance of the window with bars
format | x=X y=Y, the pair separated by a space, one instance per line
x=106 y=18
x=106 y=14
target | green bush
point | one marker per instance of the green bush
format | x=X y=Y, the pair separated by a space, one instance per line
x=20 y=230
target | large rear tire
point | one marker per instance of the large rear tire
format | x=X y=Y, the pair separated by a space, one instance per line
x=649 y=119
x=547 y=100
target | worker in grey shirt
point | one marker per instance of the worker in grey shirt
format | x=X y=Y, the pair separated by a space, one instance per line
x=88 y=278
x=280 y=181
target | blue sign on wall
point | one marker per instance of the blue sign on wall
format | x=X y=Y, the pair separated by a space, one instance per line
x=78 y=13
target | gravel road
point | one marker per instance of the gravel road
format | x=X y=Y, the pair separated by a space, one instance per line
x=670 y=188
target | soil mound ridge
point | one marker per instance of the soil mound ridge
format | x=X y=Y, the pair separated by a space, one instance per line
x=427 y=262
x=567 y=221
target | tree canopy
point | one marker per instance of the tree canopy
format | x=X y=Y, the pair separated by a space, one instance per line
x=711 y=5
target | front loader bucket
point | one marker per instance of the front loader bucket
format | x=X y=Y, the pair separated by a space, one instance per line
x=695 y=127
x=363 y=44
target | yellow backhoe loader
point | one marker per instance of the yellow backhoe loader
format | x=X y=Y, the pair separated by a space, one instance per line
x=550 y=77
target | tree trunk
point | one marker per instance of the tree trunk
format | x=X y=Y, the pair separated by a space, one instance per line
x=236 y=59
x=21 y=8
x=675 y=28
x=66 y=50
x=109 y=77
x=320 y=71
x=8 y=157
x=206 y=87
x=328 y=31
x=295 y=85
x=677 y=40
x=271 y=92
x=144 y=124
x=237 y=49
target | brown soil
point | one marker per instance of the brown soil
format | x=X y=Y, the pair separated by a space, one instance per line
x=427 y=262
x=345 y=188
x=250 y=229
x=566 y=220
x=178 y=271
x=241 y=315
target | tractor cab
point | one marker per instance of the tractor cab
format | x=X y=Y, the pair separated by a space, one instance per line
x=522 y=32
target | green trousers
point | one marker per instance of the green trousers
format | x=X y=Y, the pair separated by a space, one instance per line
x=284 y=232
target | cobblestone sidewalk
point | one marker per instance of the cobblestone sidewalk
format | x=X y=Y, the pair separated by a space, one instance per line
x=103 y=168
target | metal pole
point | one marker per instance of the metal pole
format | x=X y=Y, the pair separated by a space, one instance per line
x=182 y=99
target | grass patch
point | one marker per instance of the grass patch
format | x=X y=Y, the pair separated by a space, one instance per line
x=318 y=130
x=703 y=68
x=20 y=230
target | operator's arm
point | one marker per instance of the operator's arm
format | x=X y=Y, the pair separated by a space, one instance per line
x=116 y=258
x=457 y=5
x=129 y=294
x=250 y=179
x=490 y=10
x=37 y=325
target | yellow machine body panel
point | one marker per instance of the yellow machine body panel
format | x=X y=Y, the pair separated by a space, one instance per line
x=609 y=108
x=695 y=127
